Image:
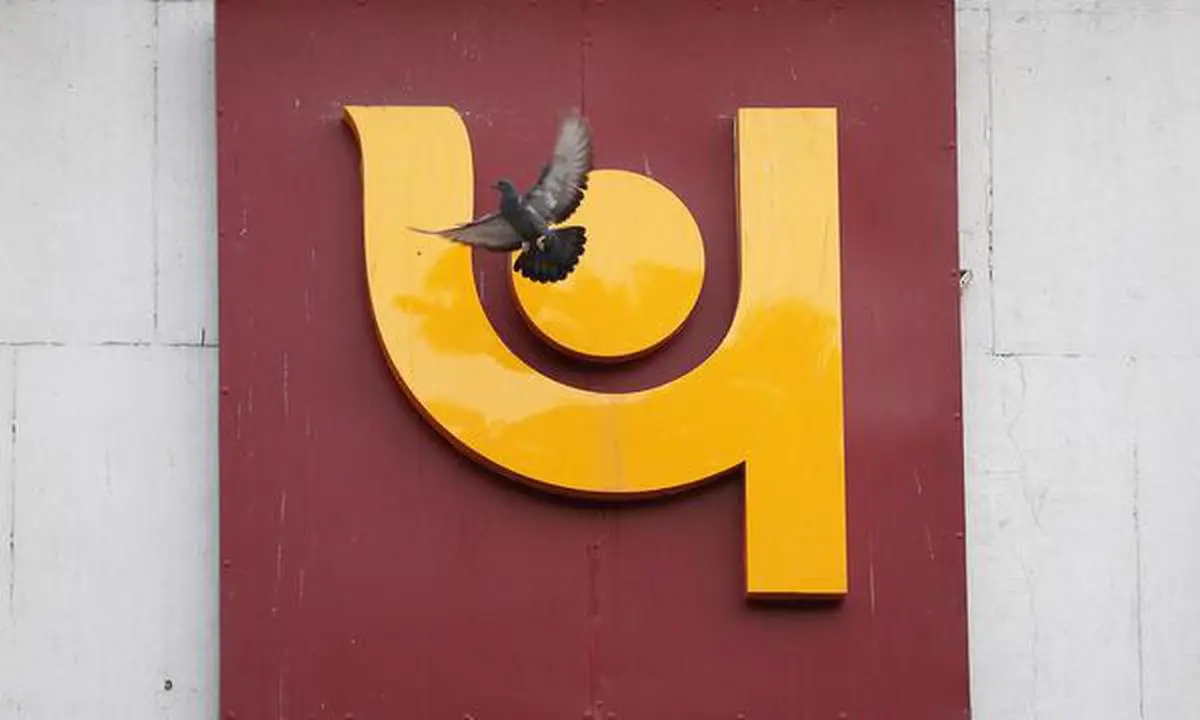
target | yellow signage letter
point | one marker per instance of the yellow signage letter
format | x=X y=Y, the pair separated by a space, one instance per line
x=769 y=397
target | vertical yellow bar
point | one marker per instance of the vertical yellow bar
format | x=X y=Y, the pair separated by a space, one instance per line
x=791 y=268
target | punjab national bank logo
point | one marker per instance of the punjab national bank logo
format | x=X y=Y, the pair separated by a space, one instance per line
x=769 y=398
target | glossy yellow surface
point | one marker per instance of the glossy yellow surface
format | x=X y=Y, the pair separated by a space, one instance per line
x=638 y=279
x=770 y=396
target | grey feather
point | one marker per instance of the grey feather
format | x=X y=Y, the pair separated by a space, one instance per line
x=561 y=186
x=491 y=232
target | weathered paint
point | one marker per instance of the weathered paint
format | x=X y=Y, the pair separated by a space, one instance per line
x=373 y=570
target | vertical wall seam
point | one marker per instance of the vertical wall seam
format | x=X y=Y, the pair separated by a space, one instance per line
x=12 y=490
x=989 y=143
x=155 y=161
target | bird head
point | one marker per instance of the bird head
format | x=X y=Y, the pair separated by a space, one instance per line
x=506 y=188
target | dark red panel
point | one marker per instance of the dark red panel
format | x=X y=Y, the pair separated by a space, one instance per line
x=370 y=571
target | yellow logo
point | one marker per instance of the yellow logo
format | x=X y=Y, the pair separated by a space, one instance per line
x=769 y=397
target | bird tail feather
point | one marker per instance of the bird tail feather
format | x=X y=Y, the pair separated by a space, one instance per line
x=563 y=246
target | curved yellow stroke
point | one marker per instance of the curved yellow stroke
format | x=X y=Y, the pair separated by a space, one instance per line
x=770 y=396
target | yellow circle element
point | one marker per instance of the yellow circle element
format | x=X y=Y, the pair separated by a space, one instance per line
x=637 y=280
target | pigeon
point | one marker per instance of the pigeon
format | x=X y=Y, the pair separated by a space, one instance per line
x=526 y=222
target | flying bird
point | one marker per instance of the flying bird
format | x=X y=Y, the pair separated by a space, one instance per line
x=548 y=253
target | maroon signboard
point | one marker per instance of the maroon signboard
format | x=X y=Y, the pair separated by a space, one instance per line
x=370 y=570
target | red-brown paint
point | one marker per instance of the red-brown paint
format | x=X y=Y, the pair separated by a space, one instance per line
x=369 y=570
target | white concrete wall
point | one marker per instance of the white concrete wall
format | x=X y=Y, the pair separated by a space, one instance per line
x=1079 y=144
x=108 y=472
x=1080 y=159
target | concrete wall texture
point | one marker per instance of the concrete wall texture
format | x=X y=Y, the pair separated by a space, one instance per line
x=1078 y=142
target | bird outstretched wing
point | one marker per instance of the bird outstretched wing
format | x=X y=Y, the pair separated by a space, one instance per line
x=560 y=188
x=492 y=232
